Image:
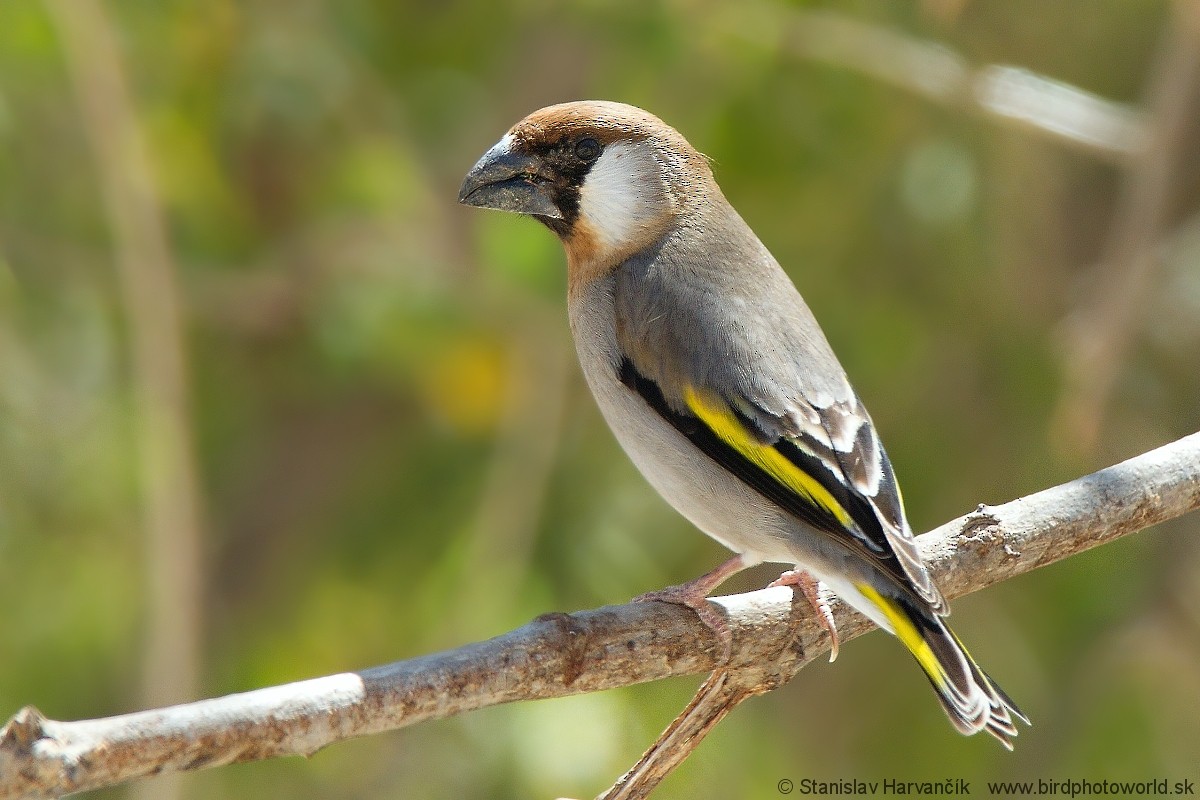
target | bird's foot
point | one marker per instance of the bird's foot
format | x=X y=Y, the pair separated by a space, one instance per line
x=694 y=595
x=815 y=593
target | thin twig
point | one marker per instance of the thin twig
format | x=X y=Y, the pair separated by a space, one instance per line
x=565 y=654
x=718 y=695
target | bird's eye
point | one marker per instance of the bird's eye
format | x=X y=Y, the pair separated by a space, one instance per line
x=587 y=149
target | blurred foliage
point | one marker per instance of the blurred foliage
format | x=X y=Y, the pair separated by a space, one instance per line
x=397 y=452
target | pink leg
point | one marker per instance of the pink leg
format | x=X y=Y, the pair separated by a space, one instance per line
x=810 y=587
x=694 y=595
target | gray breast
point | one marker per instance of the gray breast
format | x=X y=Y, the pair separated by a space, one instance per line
x=712 y=499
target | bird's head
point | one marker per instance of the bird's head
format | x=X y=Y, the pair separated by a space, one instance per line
x=608 y=178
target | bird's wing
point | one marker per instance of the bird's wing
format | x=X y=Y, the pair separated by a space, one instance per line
x=756 y=387
x=840 y=441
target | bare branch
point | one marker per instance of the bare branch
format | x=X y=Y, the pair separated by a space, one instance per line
x=716 y=697
x=564 y=654
x=970 y=553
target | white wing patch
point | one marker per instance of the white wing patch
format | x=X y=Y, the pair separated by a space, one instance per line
x=854 y=451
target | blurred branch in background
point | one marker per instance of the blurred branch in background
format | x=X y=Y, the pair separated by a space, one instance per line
x=1100 y=332
x=1097 y=335
x=564 y=654
x=170 y=497
x=1006 y=94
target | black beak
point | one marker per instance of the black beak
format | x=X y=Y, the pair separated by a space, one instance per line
x=508 y=181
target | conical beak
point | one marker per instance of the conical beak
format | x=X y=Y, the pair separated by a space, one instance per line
x=507 y=180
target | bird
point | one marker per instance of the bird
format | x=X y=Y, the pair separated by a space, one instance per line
x=720 y=385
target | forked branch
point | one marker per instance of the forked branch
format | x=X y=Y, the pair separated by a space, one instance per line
x=565 y=654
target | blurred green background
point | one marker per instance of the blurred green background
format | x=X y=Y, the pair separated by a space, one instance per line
x=273 y=406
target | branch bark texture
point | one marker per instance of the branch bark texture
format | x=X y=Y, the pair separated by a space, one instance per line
x=564 y=654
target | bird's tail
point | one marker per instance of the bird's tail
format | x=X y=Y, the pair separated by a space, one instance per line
x=971 y=699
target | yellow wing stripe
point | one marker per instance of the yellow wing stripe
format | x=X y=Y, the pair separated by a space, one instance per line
x=717 y=415
x=907 y=633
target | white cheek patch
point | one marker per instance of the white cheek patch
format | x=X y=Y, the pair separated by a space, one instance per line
x=622 y=196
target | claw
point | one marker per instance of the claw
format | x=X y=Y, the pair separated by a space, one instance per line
x=815 y=593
